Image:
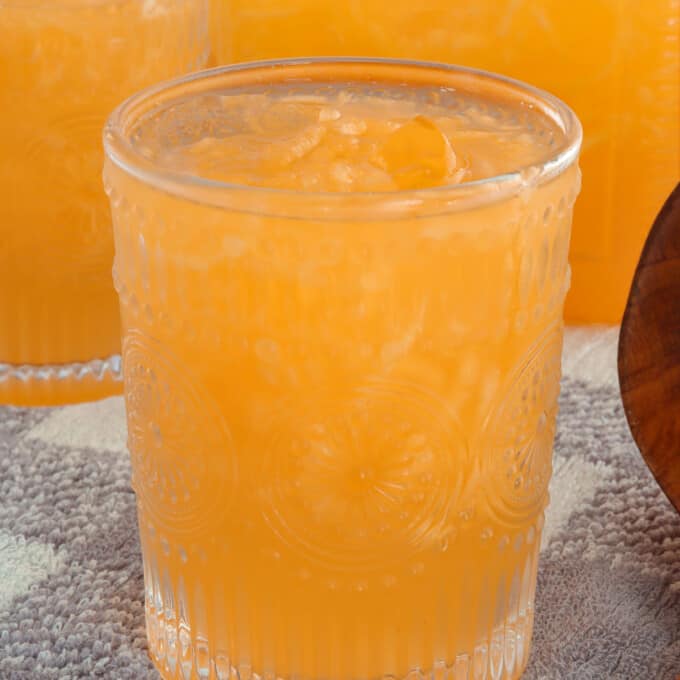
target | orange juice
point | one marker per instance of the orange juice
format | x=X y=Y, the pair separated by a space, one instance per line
x=341 y=289
x=616 y=63
x=64 y=64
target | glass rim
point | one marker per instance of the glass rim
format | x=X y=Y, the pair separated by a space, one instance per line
x=451 y=197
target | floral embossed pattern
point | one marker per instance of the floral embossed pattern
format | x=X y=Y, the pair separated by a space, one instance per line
x=520 y=431
x=182 y=455
x=365 y=482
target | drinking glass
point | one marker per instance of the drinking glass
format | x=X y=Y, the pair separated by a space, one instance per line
x=341 y=405
x=64 y=65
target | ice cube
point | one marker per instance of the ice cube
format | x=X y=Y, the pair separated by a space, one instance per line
x=327 y=114
x=354 y=126
x=418 y=155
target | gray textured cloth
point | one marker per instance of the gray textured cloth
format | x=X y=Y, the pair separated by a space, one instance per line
x=71 y=596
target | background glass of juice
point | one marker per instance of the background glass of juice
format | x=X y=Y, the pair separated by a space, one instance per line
x=617 y=64
x=341 y=404
x=64 y=65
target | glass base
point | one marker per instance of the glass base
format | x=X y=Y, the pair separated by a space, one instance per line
x=220 y=610
x=57 y=384
x=502 y=657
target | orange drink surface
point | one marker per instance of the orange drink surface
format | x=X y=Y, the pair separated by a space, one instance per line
x=64 y=65
x=617 y=64
x=341 y=288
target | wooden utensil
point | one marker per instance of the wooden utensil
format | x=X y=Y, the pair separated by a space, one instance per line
x=649 y=350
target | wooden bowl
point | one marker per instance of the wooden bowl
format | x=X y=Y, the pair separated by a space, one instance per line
x=649 y=350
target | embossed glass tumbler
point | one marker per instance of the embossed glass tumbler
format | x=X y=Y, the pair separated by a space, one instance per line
x=341 y=286
x=64 y=65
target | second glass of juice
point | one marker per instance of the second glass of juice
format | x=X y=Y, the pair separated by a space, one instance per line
x=341 y=285
x=64 y=65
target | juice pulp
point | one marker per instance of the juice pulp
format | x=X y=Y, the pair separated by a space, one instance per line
x=341 y=405
x=64 y=65
x=617 y=64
